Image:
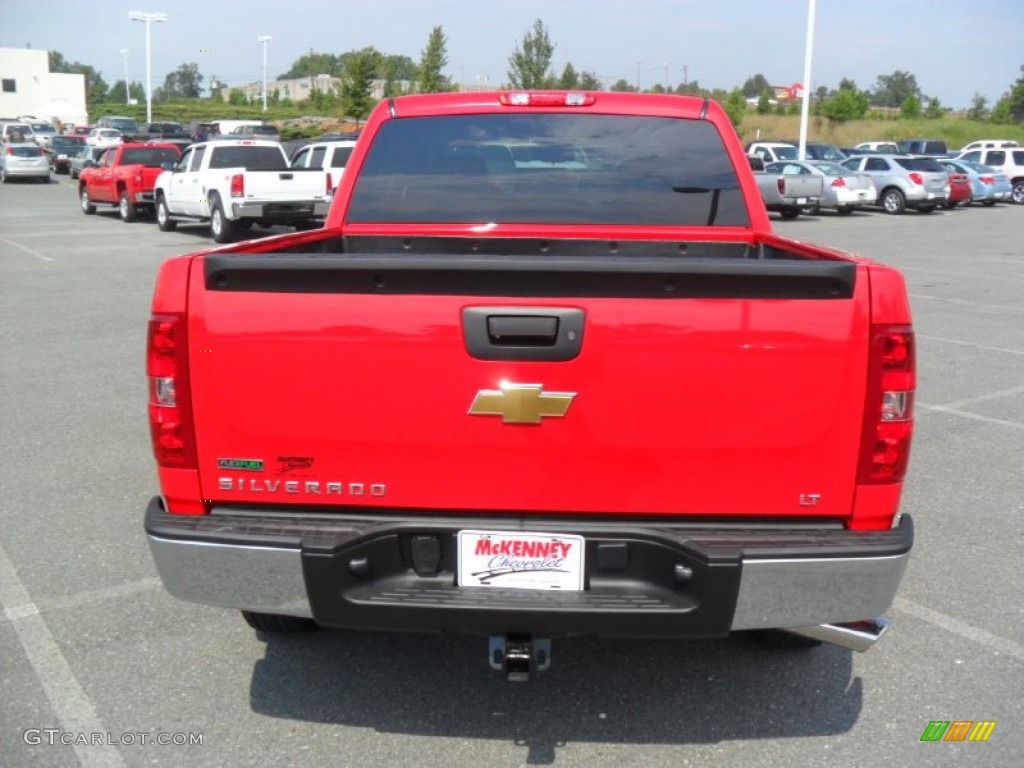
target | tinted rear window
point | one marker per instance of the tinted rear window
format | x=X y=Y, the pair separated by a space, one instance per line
x=24 y=151
x=250 y=158
x=340 y=156
x=926 y=164
x=548 y=168
x=153 y=157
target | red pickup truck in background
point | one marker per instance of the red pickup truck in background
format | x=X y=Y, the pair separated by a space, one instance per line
x=546 y=371
x=124 y=176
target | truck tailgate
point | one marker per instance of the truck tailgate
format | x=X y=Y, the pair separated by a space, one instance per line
x=284 y=186
x=693 y=389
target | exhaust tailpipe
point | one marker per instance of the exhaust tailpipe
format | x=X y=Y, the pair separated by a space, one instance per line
x=854 y=635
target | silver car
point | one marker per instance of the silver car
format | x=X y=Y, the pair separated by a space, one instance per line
x=24 y=160
x=842 y=189
x=904 y=181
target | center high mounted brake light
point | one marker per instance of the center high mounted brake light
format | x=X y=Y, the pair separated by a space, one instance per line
x=546 y=99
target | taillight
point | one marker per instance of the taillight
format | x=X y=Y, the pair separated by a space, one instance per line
x=330 y=190
x=170 y=408
x=839 y=181
x=889 y=412
x=238 y=185
x=987 y=179
x=917 y=179
x=10 y=150
x=781 y=184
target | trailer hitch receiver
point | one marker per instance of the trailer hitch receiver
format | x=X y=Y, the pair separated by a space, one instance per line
x=519 y=656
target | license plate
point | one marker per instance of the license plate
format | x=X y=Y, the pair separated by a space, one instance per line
x=931 y=195
x=801 y=201
x=520 y=560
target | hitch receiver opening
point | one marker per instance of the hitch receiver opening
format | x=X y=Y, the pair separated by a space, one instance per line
x=519 y=656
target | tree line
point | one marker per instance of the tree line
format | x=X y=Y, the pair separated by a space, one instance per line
x=530 y=67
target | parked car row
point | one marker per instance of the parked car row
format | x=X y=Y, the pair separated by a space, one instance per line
x=906 y=174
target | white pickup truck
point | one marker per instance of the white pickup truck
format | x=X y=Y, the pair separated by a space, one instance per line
x=330 y=155
x=229 y=185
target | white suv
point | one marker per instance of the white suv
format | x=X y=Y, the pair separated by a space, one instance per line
x=773 y=151
x=1009 y=160
x=990 y=144
x=327 y=155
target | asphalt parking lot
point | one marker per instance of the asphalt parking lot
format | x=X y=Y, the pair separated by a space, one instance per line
x=91 y=644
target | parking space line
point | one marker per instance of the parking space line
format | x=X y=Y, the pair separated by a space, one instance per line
x=981 y=398
x=127 y=589
x=964 y=302
x=969 y=415
x=68 y=700
x=952 y=273
x=961 y=628
x=37 y=254
x=971 y=344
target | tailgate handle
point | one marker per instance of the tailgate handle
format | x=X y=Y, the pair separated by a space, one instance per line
x=286 y=176
x=552 y=334
x=523 y=330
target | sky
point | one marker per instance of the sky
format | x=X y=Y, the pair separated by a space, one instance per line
x=954 y=48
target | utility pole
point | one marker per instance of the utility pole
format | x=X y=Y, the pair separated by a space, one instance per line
x=127 y=89
x=264 y=39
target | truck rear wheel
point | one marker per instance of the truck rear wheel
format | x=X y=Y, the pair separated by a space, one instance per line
x=127 y=208
x=221 y=227
x=1017 y=195
x=163 y=216
x=277 y=624
x=789 y=213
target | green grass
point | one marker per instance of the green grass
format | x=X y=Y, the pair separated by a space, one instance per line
x=955 y=131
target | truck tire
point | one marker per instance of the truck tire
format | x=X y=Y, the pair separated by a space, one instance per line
x=163 y=216
x=893 y=202
x=926 y=209
x=222 y=229
x=1017 y=195
x=83 y=197
x=789 y=212
x=844 y=210
x=127 y=209
x=277 y=624
x=3 y=176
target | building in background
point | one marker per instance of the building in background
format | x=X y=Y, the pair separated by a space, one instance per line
x=301 y=88
x=28 y=87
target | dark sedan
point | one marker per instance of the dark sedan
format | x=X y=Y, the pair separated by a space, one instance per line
x=60 y=151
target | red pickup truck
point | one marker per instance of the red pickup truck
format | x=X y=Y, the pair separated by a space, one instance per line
x=546 y=371
x=124 y=176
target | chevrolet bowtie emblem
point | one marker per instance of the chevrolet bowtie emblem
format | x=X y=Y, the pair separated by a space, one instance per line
x=520 y=403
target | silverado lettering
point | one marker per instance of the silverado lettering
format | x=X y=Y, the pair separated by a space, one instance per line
x=254 y=485
x=742 y=403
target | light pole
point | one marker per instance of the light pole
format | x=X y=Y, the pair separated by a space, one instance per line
x=127 y=90
x=148 y=18
x=264 y=39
